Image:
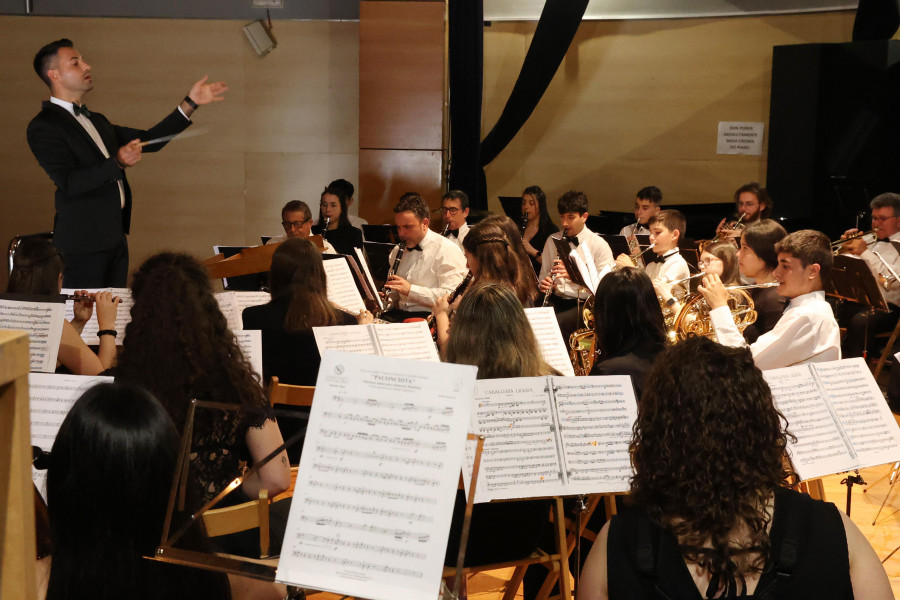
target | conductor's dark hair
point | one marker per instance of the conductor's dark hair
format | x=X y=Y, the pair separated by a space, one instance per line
x=37 y=265
x=700 y=394
x=761 y=237
x=627 y=315
x=458 y=195
x=651 y=193
x=572 y=202
x=414 y=203
x=108 y=485
x=45 y=56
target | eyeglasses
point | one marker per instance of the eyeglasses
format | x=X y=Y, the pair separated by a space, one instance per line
x=292 y=224
x=450 y=209
x=708 y=261
x=881 y=219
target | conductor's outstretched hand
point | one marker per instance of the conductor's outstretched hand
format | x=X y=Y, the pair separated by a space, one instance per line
x=204 y=92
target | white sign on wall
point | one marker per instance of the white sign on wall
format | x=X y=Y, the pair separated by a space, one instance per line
x=737 y=137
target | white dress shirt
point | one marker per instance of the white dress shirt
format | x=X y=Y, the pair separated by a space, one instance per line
x=458 y=240
x=671 y=267
x=358 y=222
x=634 y=229
x=434 y=271
x=598 y=250
x=890 y=256
x=807 y=332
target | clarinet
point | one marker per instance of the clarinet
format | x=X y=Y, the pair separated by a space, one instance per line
x=549 y=293
x=445 y=230
x=460 y=289
x=523 y=225
x=325 y=228
x=385 y=291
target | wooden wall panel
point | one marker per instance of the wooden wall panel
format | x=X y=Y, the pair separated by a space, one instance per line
x=296 y=106
x=385 y=175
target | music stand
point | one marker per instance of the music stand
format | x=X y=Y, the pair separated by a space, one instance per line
x=385 y=234
x=564 y=253
x=852 y=281
x=378 y=255
x=617 y=243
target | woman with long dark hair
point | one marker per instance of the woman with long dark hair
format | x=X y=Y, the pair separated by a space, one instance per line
x=527 y=274
x=37 y=270
x=757 y=260
x=179 y=347
x=715 y=520
x=339 y=232
x=108 y=485
x=538 y=225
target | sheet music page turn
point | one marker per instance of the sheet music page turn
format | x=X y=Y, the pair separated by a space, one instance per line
x=43 y=321
x=549 y=338
x=378 y=475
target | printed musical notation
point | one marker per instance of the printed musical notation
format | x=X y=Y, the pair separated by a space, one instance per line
x=549 y=338
x=250 y=342
x=400 y=340
x=50 y=399
x=838 y=414
x=548 y=436
x=123 y=314
x=376 y=483
x=341 y=287
x=232 y=305
x=43 y=321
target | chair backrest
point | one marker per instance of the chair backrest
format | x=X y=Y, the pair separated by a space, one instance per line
x=293 y=395
x=241 y=517
x=14 y=243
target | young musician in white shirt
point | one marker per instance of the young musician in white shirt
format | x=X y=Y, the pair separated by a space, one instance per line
x=666 y=230
x=807 y=332
x=646 y=205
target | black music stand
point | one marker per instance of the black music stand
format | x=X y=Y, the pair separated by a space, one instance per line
x=618 y=243
x=564 y=253
x=385 y=234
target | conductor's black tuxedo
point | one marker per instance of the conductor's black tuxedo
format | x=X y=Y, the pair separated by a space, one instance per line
x=90 y=219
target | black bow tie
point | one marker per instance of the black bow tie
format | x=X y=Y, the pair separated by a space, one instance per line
x=81 y=110
x=572 y=240
x=453 y=233
x=886 y=240
x=414 y=248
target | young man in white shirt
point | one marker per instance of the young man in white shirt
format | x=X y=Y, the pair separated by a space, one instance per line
x=862 y=323
x=431 y=266
x=646 y=205
x=554 y=279
x=454 y=212
x=753 y=202
x=808 y=331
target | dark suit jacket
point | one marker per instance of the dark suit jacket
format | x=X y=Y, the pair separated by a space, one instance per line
x=89 y=215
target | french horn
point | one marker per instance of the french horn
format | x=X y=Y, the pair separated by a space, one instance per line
x=694 y=319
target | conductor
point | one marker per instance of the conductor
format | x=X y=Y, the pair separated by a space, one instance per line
x=86 y=156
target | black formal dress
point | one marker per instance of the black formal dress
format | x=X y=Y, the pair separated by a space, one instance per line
x=344 y=238
x=769 y=308
x=90 y=219
x=539 y=239
x=636 y=364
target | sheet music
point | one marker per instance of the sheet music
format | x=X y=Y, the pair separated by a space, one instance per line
x=547 y=436
x=376 y=483
x=857 y=401
x=43 y=321
x=123 y=314
x=596 y=415
x=341 y=287
x=232 y=305
x=582 y=258
x=521 y=455
x=406 y=340
x=549 y=338
x=250 y=341
x=400 y=340
x=361 y=258
x=50 y=399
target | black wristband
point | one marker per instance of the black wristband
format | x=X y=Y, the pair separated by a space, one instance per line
x=111 y=332
x=191 y=103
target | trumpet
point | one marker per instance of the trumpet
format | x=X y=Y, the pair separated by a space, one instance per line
x=732 y=226
x=386 y=291
x=837 y=244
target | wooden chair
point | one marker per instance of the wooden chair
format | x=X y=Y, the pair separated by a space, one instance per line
x=288 y=493
x=241 y=517
x=292 y=395
x=557 y=562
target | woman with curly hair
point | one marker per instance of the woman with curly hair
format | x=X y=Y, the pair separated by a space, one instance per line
x=716 y=519
x=178 y=346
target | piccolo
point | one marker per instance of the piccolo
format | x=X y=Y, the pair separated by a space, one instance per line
x=79 y=297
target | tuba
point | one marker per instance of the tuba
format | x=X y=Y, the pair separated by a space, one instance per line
x=693 y=319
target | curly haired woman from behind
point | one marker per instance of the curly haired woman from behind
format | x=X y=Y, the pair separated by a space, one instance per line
x=716 y=521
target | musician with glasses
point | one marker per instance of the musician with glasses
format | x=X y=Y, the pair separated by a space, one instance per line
x=753 y=202
x=296 y=219
x=807 y=332
x=717 y=258
x=454 y=212
x=862 y=324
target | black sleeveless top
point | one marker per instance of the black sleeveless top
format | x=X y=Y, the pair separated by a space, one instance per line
x=808 y=557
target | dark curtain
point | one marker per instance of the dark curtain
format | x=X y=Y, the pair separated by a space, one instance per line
x=876 y=20
x=555 y=30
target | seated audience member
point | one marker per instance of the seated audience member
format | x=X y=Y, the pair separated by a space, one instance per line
x=629 y=326
x=179 y=347
x=714 y=519
x=296 y=219
x=454 y=212
x=862 y=323
x=37 y=270
x=338 y=232
x=513 y=233
x=646 y=205
x=807 y=332
x=108 y=482
x=349 y=191
x=492 y=332
x=554 y=279
x=757 y=260
x=753 y=202
x=538 y=226
x=431 y=266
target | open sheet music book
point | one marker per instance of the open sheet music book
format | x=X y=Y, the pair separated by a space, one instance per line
x=552 y=436
x=43 y=321
x=838 y=414
x=341 y=287
x=549 y=338
x=378 y=476
x=51 y=397
x=123 y=314
x=401 y=340
x=232 y=305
